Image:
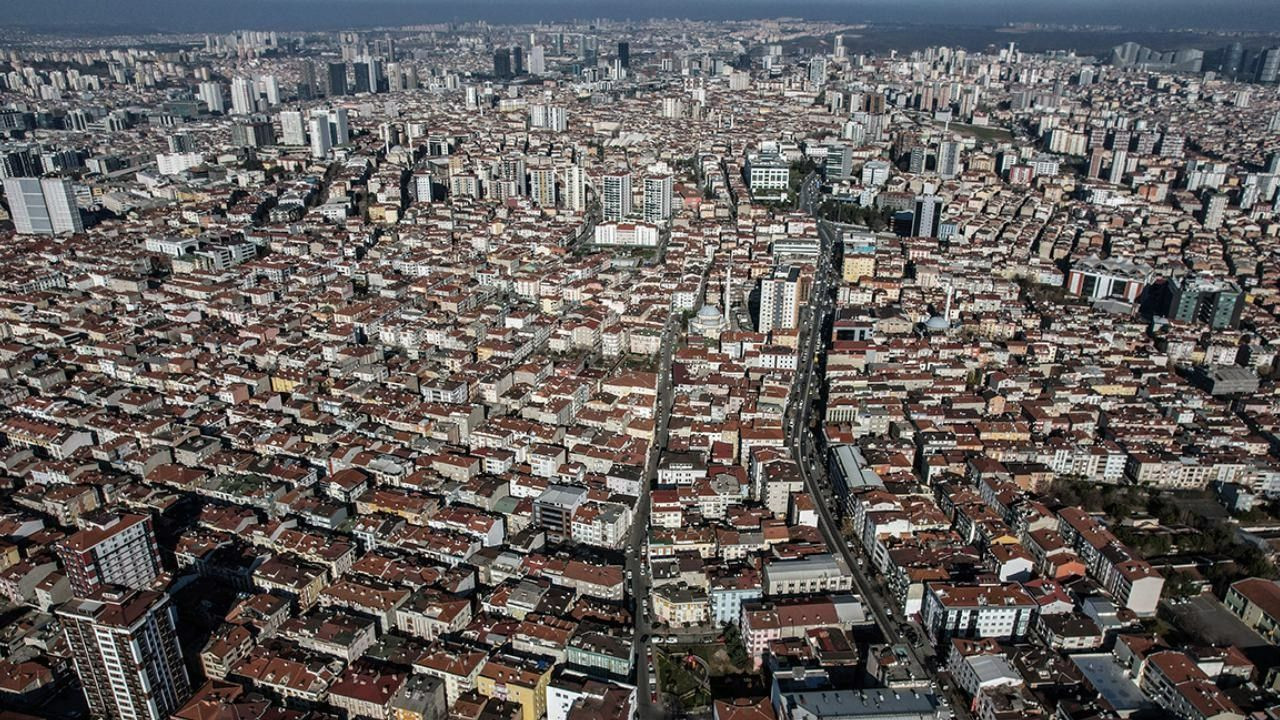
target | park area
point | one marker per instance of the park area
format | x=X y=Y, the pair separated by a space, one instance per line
x=685 y=672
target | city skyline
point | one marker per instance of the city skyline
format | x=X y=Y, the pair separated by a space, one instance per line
x=195 y=16
x=759 y=369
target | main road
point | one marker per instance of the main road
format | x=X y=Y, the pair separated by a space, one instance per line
x=800 y=439
x=636 y=571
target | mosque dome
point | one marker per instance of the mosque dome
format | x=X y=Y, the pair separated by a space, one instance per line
x=937 y=323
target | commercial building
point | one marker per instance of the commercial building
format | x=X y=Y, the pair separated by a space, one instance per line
x=43 y=206
x=820 y=573
x=873 y=704
x=1096 y=279
x=927 y=217
x=293 y=128
x=553 y=509
x=768 y=176
x=1195 y=298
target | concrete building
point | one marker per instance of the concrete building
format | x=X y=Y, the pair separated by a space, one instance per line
x=1096 y=279
x=615 y=200
x=110 y=550
x=43 y=206
x=927 y=218
x=244 y=96
x=293 y=128
x=819 y=573
x=657 y=198
x=1199 y=299
x=575 y=189
x=1001 y=611
x=124 y=644
x=1256 y=601
x=781 y=296
x=768 y=176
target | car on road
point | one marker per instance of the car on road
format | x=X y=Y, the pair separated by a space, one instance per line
x=672 y=639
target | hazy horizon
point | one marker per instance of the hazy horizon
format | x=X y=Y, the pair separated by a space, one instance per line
x=1256 y=16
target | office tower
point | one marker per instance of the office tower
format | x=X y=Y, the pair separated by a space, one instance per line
x=360 y=71
x=110 y=550
x=1119 y=159
x=502 y=63
x=375 y=80
x=332 y=125
x=542 y=186
x=271 y=89
x=340 y=131
x=781 y=295
x=253 y=133
x=20 y=161
x=124 y=644
x=307 y=83
x=43 y=206
x=1217 y=303
x=927 y=217
x=1233 y=60
x=1215 y=207
x=244 y=99
x=336 y=79
x=211 y=96
x=395 y=77
x=411 y=78
x=624 y=54
x=537 y=60
x=575 y=189
x=616 y=198
x=875 y=173
x=321 y=141
x=181 y=143
x=658 y=190
x=517 y=60
x=1269 y=65
x=293 y=128
x=949 y=159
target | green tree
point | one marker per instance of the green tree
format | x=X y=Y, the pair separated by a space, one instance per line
x=735 y=647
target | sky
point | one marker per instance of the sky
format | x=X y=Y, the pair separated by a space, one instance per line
x=224 y=15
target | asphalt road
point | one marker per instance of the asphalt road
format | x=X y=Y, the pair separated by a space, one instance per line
x=801 y=441
x=640 y=584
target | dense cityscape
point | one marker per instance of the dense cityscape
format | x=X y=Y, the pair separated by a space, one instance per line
x=638 y=370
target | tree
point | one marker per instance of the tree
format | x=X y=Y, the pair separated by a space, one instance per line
x=734 y=646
